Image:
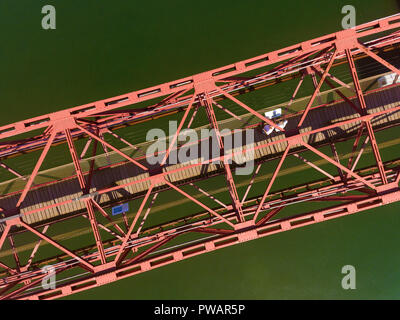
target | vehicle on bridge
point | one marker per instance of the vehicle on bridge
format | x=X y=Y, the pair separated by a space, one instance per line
x=388 y=79
x=276 y=113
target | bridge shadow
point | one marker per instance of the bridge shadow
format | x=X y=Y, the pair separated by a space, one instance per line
x=368 y=67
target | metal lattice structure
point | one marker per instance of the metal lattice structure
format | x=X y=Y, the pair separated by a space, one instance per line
x=132 y=251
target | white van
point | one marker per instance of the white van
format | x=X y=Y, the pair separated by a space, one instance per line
x=388 y=80
x=270 y=115
x=273 y=113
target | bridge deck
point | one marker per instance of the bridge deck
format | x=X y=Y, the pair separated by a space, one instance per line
x=127 y=172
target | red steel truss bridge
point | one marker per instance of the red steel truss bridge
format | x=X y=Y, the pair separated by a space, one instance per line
x=131 y=247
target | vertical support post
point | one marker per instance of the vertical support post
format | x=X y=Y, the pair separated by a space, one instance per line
x=363 y=106
x=88 y=202
x=207 y=102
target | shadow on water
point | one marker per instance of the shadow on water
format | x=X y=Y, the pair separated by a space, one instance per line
x=369 y=67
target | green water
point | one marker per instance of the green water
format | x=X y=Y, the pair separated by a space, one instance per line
x=106 y=48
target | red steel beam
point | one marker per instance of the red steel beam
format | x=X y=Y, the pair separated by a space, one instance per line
x=244 y=106
x=84 y=263
x=271 y=182
x=102 y=141
x=107 y=216
x=85 y=188
x=360 y=153
x=149 y=250
x=296 y=90
x=312 y=165
x=339 y=92
x=36 y=168
x=251 y=183
x=377 y=58
x=208 y=104
x=176 y=134
x=199 y=203
x=122 y=252
x=268 y=216
x=355 y=145
x=318 y=88
x=35 y=249
x=356 y=176
x=363 y=105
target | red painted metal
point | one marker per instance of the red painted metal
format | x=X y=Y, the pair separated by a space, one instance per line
x=208 y=104
x=230 y=223
x=260 y=206
x=367 y=123
x=318 y=88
